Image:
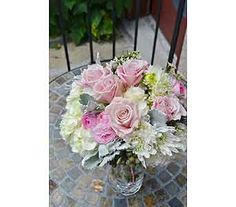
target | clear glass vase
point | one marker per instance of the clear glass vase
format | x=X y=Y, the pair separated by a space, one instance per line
x=125 y=179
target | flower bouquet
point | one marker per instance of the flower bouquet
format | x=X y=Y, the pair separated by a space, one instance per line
x=126 y=114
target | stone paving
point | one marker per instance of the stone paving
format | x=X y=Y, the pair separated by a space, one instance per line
x=72 y=186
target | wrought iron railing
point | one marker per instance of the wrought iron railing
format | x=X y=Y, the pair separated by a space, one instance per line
x=173 y=42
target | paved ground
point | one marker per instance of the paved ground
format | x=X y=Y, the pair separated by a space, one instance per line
x=72 y=186
x=80 y=55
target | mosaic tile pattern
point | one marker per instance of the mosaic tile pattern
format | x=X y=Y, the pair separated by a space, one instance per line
x=71 y=186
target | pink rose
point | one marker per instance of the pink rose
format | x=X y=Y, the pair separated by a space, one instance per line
x=103 y=118
x=103 y=133
x=170 y=106
x=124 y=115
x=107 y=88
x=94 y=73
x=179 y=89
x=131 y=72
x=89 y=120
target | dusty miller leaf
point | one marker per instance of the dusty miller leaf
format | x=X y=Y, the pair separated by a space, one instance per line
x=108 y=158
x=86 y=98
x=123 y=146
x=91 y=161
x=102 y=150
x=157 y=118
x=112 y=146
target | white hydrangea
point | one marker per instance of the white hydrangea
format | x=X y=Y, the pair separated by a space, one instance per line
x=68 y=125
x=138 y=95
x=82 y=141
x=74 y=108
x=76 y=88
x=71 y=119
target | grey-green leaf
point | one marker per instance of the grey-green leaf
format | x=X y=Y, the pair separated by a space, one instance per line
x=91 y=162
x=157 y=118
x=86 y=98
x=108 y=158
x=102 y=150
x=112 y=146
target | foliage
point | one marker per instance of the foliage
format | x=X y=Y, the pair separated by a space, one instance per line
x=75 y=13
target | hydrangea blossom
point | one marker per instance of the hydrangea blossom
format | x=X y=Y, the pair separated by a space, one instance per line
x=82 y=141
x=68 y=125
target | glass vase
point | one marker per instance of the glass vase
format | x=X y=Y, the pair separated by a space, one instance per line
x=125 y=179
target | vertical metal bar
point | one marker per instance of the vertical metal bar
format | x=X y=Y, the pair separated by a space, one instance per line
x=159 y=5
x=61 y=25
x=176 y=30
x=89 y=31
x=136 y=23
x=113 y=28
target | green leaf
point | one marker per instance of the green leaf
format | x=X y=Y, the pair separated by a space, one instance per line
x=109 y=5
x=75 y=18
x=77 y=34
x=96 y=19
x=106 y=28
x=80 y=8
x=70 y=3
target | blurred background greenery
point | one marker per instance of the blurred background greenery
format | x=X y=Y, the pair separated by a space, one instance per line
x=75 y=18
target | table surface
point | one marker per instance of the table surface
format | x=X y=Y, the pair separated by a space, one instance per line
x=71 y=185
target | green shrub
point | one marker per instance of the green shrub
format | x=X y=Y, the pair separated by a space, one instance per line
x=75 y=18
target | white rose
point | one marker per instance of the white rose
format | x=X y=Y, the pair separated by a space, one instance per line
x=137 y=95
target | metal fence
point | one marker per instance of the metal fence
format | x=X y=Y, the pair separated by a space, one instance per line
x=173 y=43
